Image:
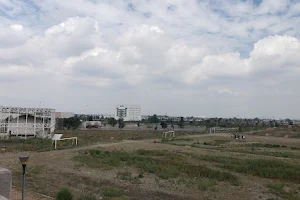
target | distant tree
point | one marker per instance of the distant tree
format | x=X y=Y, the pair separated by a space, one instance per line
x=112 y=121
x=72 y=123
x=59 y=124
x=102 y=118
x=181 y=122
x=164 y=124
x=121 y=123
x=153 y=119
x=240 y=129
x=172 y=126
x=90 y=118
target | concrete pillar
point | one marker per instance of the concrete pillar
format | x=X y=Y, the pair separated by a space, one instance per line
x=5 y=183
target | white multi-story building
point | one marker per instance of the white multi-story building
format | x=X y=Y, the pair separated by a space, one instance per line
x=27 y=122
x=129 y=112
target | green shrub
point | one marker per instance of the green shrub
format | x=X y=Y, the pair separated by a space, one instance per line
x=64 y=194
x=141 y=175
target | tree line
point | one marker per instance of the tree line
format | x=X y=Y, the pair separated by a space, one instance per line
x=68 y=123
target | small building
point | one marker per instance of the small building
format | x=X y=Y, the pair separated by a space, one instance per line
x=91 y=124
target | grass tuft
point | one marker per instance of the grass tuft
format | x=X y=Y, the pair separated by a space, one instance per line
x=112 y=192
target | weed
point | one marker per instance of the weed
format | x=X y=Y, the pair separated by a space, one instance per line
x=36 y=169
x=204 y=184
x=152 y=152
x=263 y=145
x=126 y=176
x=136 y=180
x=295 y=148
x=112 y=192
x=87 y=196
x=276 y=187
x=278 y=190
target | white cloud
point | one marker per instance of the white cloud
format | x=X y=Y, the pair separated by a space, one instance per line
x=15 y=70
x=16 y=27
x=275 y=46
x=166 y=48
x=271 y=6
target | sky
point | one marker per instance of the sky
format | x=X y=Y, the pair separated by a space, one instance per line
x=214 y=58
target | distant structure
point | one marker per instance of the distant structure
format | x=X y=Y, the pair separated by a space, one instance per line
x=97 y=117
x=171 y=133
x=175 y=118
x=129 y=112
x=219 y=129
x=27 y=122
x=64 y=114
x=91 y=124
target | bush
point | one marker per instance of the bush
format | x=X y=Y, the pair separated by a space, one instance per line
x=64 y=194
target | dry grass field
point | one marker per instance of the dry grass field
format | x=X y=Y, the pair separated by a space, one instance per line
x=129 y=165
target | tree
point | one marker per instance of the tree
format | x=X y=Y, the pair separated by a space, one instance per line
x=153 y=119
x=121 y=123
x=72 y=123
x=102 y=118
x=240 y=129
x=164 y=124
x=59 y=124
x=181 y=122
x=112 y=121
x=90 y=118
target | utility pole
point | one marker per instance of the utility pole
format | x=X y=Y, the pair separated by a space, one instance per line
x=86 y=115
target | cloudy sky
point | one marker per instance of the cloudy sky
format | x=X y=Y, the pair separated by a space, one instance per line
x=181 y=57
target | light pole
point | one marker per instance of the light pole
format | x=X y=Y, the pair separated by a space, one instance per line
x=23 y=160
x=86 y=115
